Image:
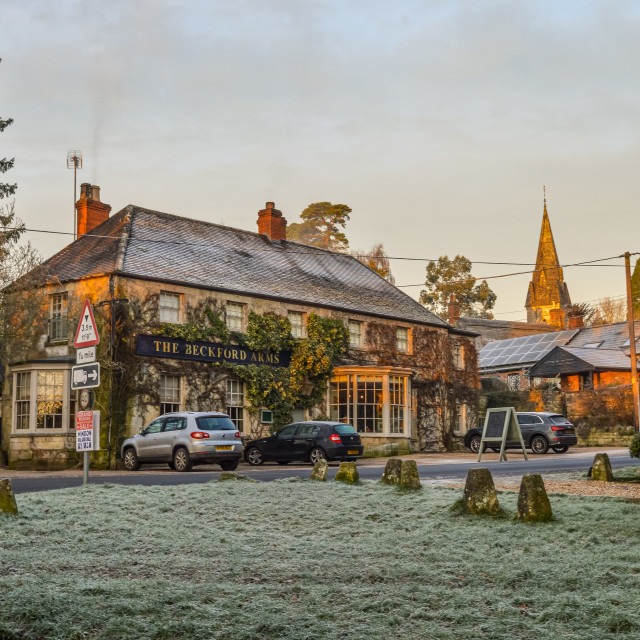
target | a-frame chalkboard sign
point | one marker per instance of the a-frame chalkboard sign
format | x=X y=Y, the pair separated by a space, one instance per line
x=501 y=426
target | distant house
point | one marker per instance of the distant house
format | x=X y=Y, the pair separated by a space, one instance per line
x=596 y=357
x=584 y=358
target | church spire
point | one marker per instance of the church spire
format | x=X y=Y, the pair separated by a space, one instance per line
x=548 y=296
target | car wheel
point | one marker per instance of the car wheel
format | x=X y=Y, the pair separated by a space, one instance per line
x=229 y=465
x=539 y=445
x=317 y=455
x=474 y=444
x=181 y=460
x=254 y=456
x=283 y=461
x=560 y=449
x=131 y=462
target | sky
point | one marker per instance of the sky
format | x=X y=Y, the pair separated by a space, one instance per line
x=437 y=122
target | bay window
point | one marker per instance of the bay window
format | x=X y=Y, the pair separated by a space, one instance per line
x=375 y=401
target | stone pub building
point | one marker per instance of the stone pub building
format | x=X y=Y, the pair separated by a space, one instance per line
x=407 y=376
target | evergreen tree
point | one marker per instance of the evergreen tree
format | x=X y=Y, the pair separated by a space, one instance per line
x=635 y=290
x=446 y=277
x=320 y=226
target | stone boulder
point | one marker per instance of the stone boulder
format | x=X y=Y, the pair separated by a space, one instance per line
x=348 y=473
x=480 y=497
x=7 y=499
x=320 y=471
x=533 y=502
x=409 y=478
x=230 y=475
x=601 y=469
x=392 y=472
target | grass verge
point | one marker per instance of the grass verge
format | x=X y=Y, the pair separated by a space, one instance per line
x=304 y=560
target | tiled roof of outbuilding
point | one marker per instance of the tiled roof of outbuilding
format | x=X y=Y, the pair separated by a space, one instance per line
x=151 y=245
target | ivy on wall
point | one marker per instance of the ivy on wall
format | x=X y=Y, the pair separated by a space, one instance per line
x=280 y=389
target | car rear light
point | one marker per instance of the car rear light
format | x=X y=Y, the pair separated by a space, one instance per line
x=199 y=435
x=238 y=434
x=334 y=437
x=557 y=428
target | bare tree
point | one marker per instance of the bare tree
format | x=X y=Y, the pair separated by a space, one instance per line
x=609 y=311
x=377 y=260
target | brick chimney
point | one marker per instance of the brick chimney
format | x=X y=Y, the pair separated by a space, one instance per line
x=454 y=310
x=557 y=318
x=90 y=211
x=271 y=223
x=575 y=322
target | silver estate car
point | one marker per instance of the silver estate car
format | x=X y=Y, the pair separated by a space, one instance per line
x=185 y=439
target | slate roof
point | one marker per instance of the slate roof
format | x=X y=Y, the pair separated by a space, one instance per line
x=569 y=360
x=611 y=336
x=150 y=245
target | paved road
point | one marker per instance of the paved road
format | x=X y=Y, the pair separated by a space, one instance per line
x=369 y=470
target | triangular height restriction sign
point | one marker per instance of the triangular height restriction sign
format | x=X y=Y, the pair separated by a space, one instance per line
x=87 y=333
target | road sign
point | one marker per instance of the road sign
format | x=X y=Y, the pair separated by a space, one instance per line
x=85 y=376
x=83 y=356
x=87 y=431
x=87 y=332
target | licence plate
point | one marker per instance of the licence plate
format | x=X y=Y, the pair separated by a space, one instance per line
x=352 y=452
x=226 y=447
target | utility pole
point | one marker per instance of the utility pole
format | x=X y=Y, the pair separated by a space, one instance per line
x=632 y=344
x=112 y=302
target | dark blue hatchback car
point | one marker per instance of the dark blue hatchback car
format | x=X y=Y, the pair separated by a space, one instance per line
x=307 y=441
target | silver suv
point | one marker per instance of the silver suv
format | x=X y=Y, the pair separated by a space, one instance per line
x=185 y=439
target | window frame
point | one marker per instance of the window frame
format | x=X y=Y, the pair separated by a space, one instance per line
x=342 y=400
x=460 y=426
x=67 y=398
x=234 y=410
x=407 y=340
x=166 y=309
x=360 y=343
x=167 y=403
x=458 y=354
x=58 y=321
x=227 y=317
x=302 y=326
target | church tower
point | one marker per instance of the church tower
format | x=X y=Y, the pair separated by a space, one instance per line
x=548 y=296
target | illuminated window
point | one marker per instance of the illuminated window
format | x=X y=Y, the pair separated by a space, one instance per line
x=49 y=400
x=376 y=404
x=169 y=307
x=23 y=400
x=234 y=315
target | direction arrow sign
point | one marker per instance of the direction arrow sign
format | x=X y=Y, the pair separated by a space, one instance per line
x=87 y=332
x=85 y=376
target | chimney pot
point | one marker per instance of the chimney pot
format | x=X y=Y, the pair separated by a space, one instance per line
x=271 y=205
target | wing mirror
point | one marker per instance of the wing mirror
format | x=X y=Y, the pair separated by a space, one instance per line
x=143 y=432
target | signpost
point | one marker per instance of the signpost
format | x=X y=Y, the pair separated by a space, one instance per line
x=86 y=375
x=501 y=426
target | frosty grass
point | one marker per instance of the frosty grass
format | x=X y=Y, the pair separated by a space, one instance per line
x=293 y=559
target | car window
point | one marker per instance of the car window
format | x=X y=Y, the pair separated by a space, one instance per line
x=525 y=419
x=287 y=431
x=307 y=429
x=345 y=429
x=155 y=426
x=536 y=420
x=215 y=423
x=558 y=419
x=175 y=424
